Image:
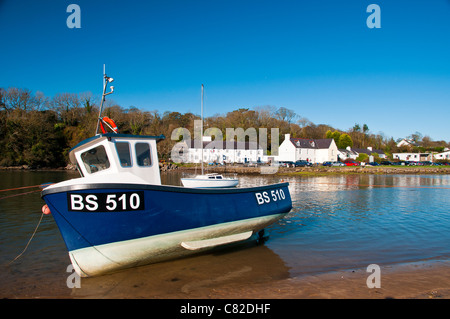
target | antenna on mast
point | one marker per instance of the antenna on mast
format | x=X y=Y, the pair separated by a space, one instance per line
x=106 y=80
x=201 y=127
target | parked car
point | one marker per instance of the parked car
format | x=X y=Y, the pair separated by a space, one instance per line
x=374 y=164
x=386 y=163
x=286 y=164
x=302 y=163
x=330 y=163
x=337 y=164
x=351 y=163
x=436 y=164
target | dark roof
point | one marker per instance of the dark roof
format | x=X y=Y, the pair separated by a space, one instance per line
x=311 y=142
x=367 y=151
x=357 y=151
x=348 y=152
x=221 y=145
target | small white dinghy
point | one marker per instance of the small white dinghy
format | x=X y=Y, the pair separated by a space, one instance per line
x=210 y=180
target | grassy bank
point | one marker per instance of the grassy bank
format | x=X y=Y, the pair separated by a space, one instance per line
x=286 y=171
x=324 y=170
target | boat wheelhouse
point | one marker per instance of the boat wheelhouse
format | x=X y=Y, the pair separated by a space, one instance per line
x=120 y=157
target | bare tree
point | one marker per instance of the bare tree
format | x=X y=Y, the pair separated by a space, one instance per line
x=66 y=105
x=286 y=115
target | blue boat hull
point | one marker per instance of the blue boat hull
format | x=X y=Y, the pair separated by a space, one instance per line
x=112 y=226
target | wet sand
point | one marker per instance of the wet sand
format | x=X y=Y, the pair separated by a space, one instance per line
x=424 y=280
x=421 y=280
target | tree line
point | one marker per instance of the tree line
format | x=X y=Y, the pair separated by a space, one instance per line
x=38 y=130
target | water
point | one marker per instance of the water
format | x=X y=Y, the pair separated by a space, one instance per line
x=337 y=222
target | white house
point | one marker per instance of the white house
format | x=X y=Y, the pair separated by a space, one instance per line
x=311 y=150
x=353 y=153
x=407 y=142
x=222 y=152
x=345 y=153
x=442 y=156
x=414 y=157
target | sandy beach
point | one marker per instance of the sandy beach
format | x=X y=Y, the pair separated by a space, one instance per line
x=424 y=280
x=418 y=280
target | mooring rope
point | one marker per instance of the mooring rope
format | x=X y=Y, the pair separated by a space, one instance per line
x=29 y=241
x=8 y=196
x=41 y=186
x=367 y=185
x=13 y=189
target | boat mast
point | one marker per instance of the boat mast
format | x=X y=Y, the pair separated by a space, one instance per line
x=106 y=80
x=201 y=128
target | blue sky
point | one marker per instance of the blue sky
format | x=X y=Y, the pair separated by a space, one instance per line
x=317 y=58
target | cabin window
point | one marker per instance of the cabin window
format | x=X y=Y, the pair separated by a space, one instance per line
x=143 y=154
x=95 y=159
x=123 y=150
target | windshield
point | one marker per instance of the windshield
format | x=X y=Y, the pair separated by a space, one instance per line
x=143 y=154
x=95 y=159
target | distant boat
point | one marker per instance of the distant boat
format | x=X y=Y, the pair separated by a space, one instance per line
x=118 y=214
x=208 y=180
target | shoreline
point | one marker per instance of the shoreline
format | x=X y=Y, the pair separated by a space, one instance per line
x=281 y=171
x=414 y=280
x=324 y=170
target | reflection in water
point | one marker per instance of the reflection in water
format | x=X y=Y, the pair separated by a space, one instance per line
x=337 y=222
x=190 y=277
x=352 y=221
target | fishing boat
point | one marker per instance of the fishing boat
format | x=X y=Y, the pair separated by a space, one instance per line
x=118 y=214
x=209 y=180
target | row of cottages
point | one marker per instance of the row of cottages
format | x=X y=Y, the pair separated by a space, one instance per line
x=223 y=152
x=443 y=156
x=414 y=157
x=311 y=150
x=353 y=153
x=422 y=157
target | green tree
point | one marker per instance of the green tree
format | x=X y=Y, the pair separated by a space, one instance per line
x=336 y=136
x=362 y=157
x=356 y=128
x=344 y=141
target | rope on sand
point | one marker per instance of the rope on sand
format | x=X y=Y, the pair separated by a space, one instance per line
x=29 y=241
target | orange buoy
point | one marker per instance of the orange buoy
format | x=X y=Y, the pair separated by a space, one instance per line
x=109 y=123
x=46 y=210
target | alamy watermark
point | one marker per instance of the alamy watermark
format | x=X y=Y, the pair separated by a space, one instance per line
x=74 y=19
x=374 y=279
x=73 y=280
x=250 y=139
x=374 y=19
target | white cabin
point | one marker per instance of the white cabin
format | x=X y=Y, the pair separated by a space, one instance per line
x=118 y=158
